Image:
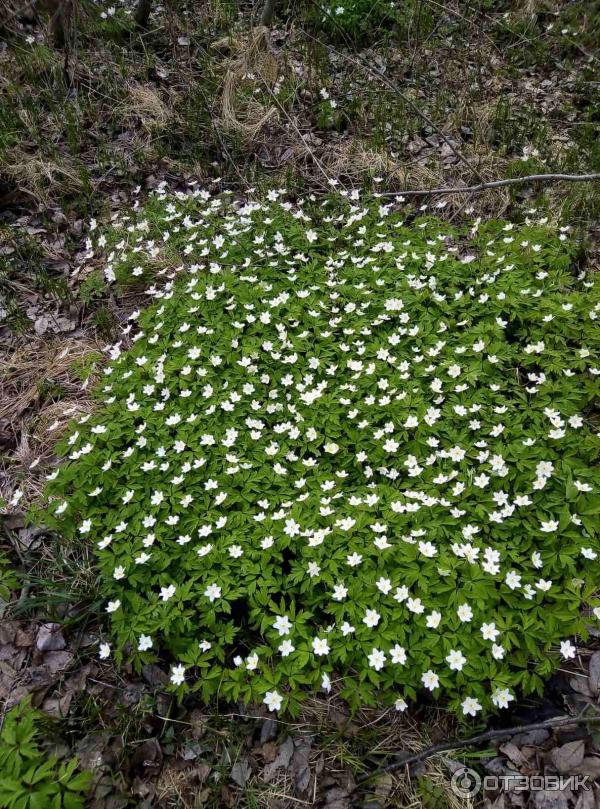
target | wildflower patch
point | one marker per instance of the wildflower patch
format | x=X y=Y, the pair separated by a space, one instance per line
x=343 y=448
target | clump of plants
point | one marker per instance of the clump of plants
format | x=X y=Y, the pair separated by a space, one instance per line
x=359 y=22
x=341 y=449
x=30 y=778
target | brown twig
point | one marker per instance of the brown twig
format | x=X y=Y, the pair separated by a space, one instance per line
x=363 y=63
x=458 y=744
x=475 y=189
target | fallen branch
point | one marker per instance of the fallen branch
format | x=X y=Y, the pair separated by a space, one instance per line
x=415 y=758
x=475 y=189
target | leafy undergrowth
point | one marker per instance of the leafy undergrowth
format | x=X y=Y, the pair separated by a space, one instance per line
x=31 y=779
x=342 y=449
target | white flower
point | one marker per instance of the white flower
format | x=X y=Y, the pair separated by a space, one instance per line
x=456 y=660
x=502 y=697
x=104 y=651
x=339 y=592
x=400 y=705
x=415 y=605
x=384 y=585
x=433 y=619
x=144 y=643
x=512 y=580
x=498 y=651
x=376 y=659
x=282 y=624
x=371 y=618
x=273 y=700
x=212 y=592
x=470 y=706
x=398 y=655
x=320 y=646
x=489 y=631
x=177 y=674
x=567 y=649
x=465 y=613
x=286 y=648
x=113 y=606
x=430 y=680
x=167 y=592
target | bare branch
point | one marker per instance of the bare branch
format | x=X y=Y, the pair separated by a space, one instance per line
x=359 y=61
x=459 y=744
x=476 y=189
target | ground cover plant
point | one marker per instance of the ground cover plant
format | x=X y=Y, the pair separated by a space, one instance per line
x=32 y=779
x=342 y=448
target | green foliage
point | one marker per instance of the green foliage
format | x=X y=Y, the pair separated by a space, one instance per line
x=356 y=21
x=30 y=778
x=8 y=577
x=343 y=448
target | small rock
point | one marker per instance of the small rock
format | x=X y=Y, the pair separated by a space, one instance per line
x=49 y=638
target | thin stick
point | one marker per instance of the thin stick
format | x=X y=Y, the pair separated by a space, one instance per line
x=360 y=62
x=415 y=758
x=476 y=189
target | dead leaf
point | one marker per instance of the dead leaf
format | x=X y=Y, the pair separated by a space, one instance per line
x=337 y=798
x=147 y=759
x=383 y=786
x=284 y=756
x=90 y=751
x=569 y=757
x=41 y=325
x=201 y=772
x=58 y=708
x=581 y=685
x=154 y=675
x=78 y=680
x=268 y=730
x=24 y=638
x=301 y=764
x=512 y=752
x=586 y=800
x=594 y=671
x=544 y=799
x=8 y=632
x=590 y=766
x=58 y=661
x=241 y=771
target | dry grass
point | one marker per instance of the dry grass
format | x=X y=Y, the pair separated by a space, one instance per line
x=143 y=107
x=42 y=178
x=254 y=67
x=41 y=391
x=335 y=744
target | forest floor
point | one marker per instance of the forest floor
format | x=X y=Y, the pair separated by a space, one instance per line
x=432 y=94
